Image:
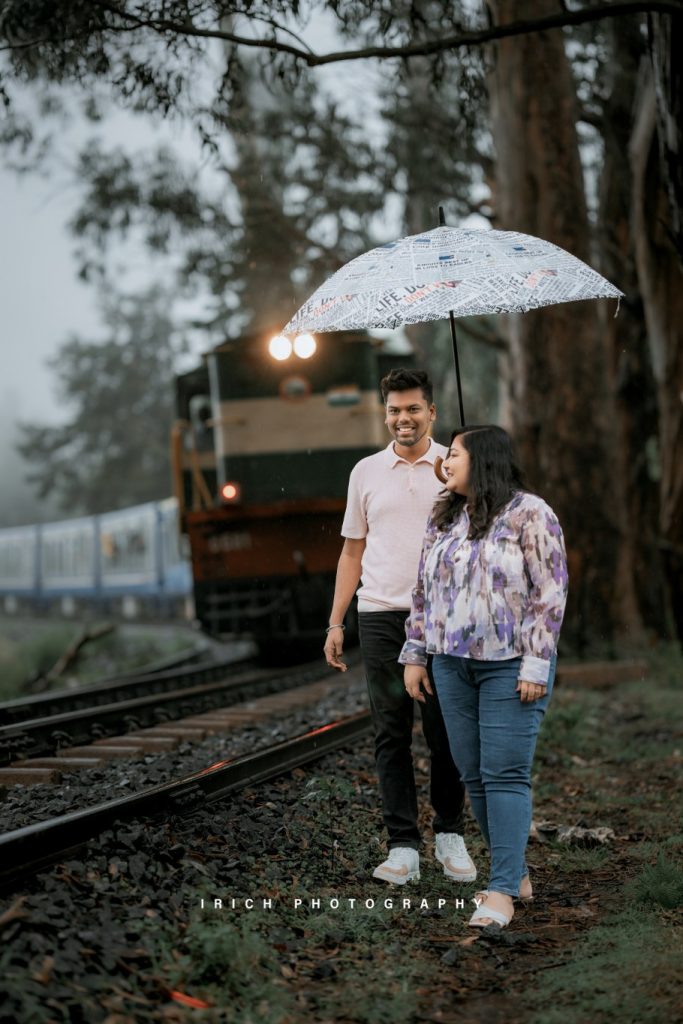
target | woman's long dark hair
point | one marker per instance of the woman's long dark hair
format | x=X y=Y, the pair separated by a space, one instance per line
x=494 y=478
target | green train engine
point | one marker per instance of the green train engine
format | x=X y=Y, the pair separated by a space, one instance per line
x=269 y=431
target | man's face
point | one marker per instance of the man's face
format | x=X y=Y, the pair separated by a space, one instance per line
x=408 y=416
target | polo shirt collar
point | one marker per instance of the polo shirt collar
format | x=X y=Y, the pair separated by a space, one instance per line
x=393 y=459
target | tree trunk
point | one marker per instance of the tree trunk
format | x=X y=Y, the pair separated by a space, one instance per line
x=563 y=413
x=626 y=336
x=661 y=286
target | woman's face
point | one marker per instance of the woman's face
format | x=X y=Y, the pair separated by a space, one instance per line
x=456 y=467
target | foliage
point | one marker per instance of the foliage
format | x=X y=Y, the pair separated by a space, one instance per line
x=113 y=451
x=27 y=652
x=290 y=202
x=660 y=884
x=231 y=965
x=622 y=969
x=23 y=661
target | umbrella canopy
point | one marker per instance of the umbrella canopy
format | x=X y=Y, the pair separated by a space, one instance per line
x=447 y=270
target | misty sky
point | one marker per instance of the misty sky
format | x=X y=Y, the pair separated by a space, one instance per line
x=42 y=300
x=41 y=297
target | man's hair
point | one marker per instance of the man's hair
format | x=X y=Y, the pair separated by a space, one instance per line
x=495 y=476
x=405 y=380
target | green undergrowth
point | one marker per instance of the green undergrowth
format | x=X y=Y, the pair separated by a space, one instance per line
x=22 y=658
x=234 y=968
x=625 y=968
x=30 y=651
x=284 y=966
x=621 y=752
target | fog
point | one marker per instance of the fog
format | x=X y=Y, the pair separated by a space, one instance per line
x=41 y=297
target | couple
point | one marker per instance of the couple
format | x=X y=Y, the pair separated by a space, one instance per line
x=479 y=644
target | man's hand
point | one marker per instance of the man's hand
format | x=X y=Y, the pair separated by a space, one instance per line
x=416 y=679
x=334 y=645
x=529 y=692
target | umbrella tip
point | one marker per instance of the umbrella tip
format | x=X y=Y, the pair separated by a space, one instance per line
x=442 y=217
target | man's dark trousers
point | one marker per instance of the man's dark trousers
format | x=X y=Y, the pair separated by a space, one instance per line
x=382 y=635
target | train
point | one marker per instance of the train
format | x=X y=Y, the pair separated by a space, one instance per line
x=126 y=563
x=268 y=429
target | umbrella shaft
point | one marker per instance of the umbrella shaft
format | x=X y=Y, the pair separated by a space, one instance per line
x=457 y=369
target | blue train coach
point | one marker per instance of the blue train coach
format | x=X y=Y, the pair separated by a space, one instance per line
x=124 y=563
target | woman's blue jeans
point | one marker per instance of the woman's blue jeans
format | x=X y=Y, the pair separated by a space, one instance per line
x=492 y=736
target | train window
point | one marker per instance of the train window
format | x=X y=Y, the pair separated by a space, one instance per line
x=68 y=555
x=15 y=558
x=170 y=540
x=202 y=423
x=127 y=546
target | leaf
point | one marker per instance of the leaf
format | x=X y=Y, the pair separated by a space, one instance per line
x=14 y=913
x=185 y=1000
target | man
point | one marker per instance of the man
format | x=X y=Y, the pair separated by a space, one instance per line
x=390 y=497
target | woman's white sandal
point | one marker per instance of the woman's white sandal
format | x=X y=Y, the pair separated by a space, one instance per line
x=490 y=916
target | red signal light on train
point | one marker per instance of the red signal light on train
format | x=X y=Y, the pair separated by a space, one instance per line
x=231 y=492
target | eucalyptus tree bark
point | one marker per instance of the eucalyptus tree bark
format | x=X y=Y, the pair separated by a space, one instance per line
x=661 y=286
x=561 y=407
x=626 y=335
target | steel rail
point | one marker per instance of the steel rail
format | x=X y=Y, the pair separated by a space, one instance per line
x=30 y=849
x=151 y=680
x=42 y=736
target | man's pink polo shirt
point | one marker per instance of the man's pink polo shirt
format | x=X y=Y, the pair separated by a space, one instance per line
x=388 y=505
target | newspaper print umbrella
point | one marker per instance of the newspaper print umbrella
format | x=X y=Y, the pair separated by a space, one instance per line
x=448 y=272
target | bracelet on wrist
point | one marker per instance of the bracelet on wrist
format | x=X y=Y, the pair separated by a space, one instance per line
x=338 y=625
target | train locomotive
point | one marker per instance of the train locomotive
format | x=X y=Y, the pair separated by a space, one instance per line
x=269 y=429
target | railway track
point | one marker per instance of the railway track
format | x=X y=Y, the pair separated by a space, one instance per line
x=139 y=708
x=28 y=850
x=157 y=678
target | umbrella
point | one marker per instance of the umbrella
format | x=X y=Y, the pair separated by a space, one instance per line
x=448 y=272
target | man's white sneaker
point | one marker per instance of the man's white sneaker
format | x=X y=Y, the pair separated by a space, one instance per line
x=452 y=853
x=401 y=866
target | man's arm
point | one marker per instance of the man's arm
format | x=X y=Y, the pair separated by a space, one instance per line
x=346 y=584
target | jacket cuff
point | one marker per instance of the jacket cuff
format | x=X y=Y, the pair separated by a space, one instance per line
x=534 y=670
x=413 y=652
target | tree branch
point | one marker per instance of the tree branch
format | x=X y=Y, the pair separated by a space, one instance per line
x=425 y=48
x=428 y=47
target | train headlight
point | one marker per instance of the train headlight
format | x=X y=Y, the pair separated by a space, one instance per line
x=305 y=346
x=231 y=492
x=280 y=347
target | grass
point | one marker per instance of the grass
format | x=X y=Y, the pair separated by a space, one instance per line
x=623 y=969
x=628 y=744
x=235 y=969
x=29 y=651
x=23 y=659
x=659 y=884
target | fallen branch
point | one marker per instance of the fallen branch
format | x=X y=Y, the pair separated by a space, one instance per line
x=42 y=682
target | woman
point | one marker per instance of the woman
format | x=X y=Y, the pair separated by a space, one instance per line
x=488 y=604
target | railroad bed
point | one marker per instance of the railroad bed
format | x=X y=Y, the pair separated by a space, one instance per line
x=70 y=724
x=231 y=733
